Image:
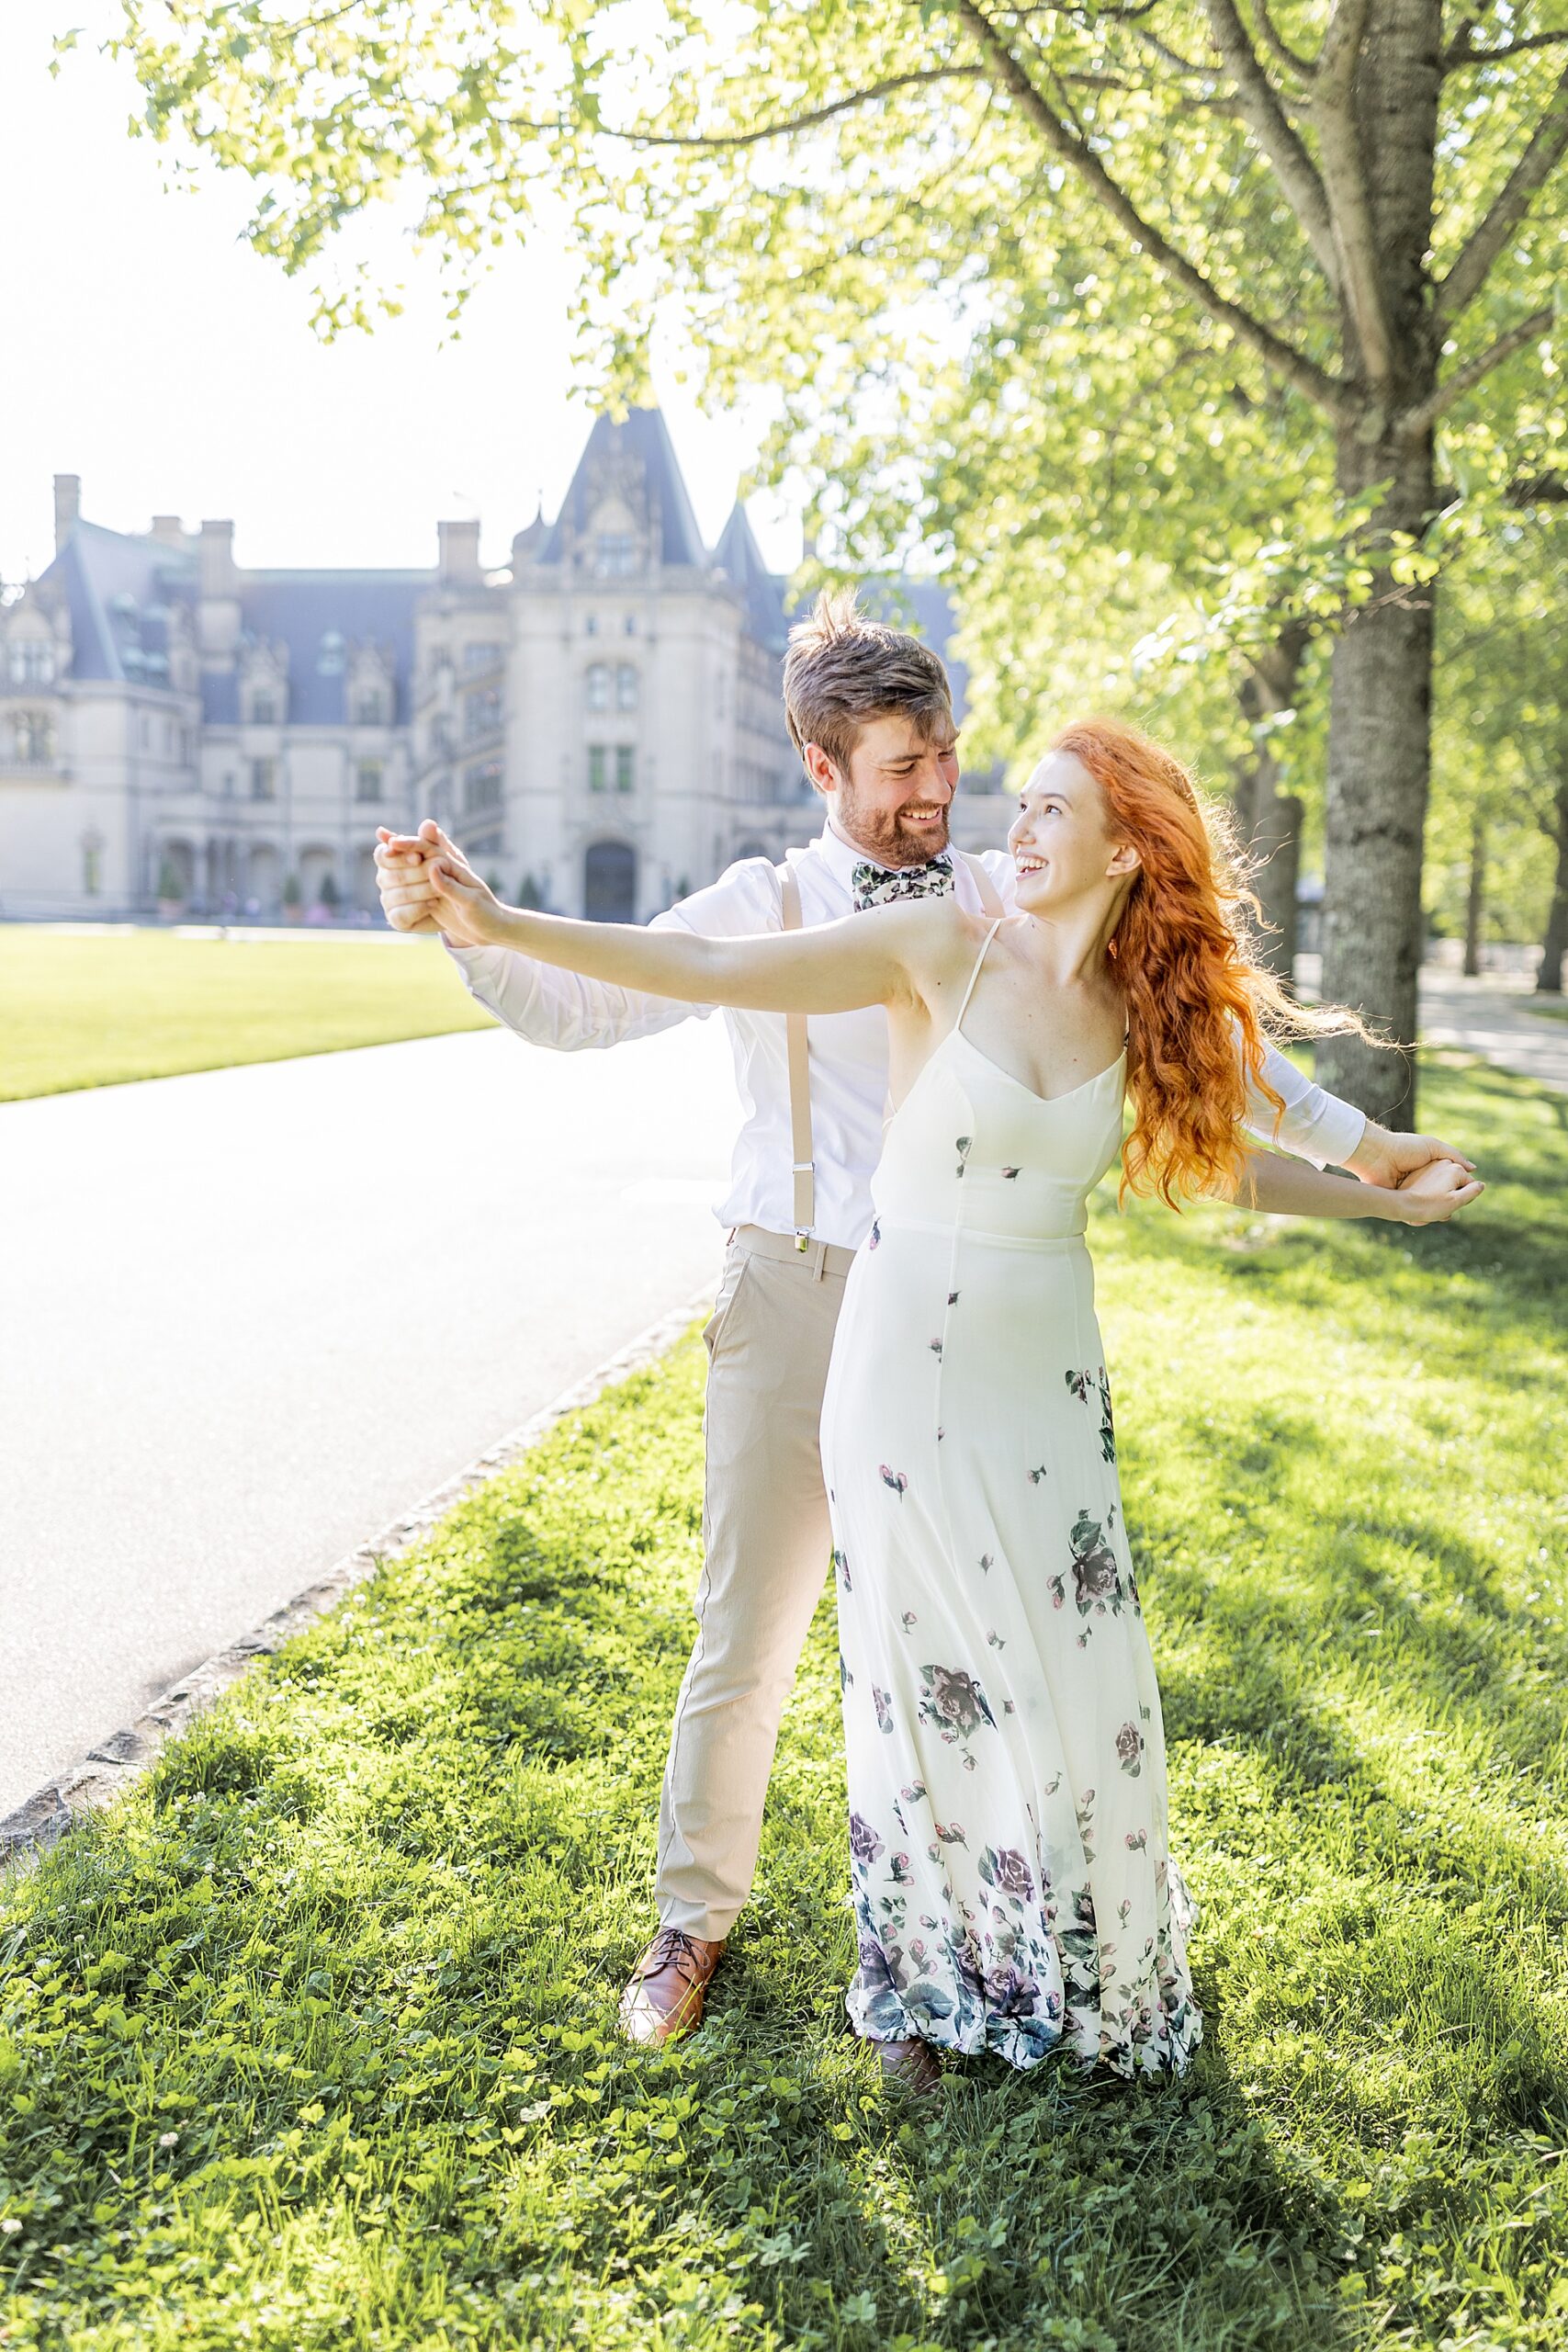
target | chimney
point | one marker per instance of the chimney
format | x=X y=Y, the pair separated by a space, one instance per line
x=67 y=507
x=459 y=550
x=216 y=551
x=168 y=530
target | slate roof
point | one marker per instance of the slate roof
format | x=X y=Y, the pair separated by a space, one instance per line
x=763 y=593
x=303 y=608
x=643 y=434
x=118 y=591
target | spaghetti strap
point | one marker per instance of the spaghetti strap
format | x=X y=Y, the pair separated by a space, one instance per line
x=974 y=975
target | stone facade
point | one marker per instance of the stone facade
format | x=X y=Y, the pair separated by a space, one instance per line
x=599 y=727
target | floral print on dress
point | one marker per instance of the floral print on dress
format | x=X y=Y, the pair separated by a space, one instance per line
x=954 y=1703
x=1010 y=1877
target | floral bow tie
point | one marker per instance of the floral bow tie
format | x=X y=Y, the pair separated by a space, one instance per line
x=879 y=885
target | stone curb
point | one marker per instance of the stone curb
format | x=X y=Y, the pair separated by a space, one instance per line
x=117 y=1762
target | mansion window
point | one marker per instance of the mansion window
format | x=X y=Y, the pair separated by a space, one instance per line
x=32 y=661
x=590 y=625
x=626 y=686
x=33 y=731
x=599 y=685
x=614 y=555
x=440 y=734
x=481 y=712
x=264 y=779
x=479 y=657
x=368 y=780
x=629 y=625
x=92 y=866
x=263 y=710
x=481 y=789
x=369 y=707
x=611 y=764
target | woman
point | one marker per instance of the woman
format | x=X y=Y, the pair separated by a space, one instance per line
x=1012 y=1883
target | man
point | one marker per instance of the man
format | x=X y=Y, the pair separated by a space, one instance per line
x=870 y=712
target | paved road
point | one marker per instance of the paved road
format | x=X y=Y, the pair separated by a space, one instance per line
x=1491 y=1016
x=248 y=1320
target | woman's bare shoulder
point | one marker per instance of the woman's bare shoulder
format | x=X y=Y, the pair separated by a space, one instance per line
x=935 y=939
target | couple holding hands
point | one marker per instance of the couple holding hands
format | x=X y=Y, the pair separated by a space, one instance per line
x=906 y=1380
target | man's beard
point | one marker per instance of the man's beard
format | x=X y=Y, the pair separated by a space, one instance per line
x=886 y=839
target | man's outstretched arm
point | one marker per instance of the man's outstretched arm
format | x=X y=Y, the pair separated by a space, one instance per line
x=1319 y=1126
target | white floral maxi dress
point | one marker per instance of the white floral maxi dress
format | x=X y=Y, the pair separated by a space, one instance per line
x=1012 y=1884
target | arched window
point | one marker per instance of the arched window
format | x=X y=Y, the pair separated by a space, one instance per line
x=598 y=685
x=626 y=686
x=609 y=882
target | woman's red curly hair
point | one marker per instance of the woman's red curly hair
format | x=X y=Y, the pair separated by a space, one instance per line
x=1201 y=1009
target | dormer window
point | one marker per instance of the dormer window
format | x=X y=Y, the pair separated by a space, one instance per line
x=32 y=661
x=614 y=555
x=369 y=707
x=263 y=710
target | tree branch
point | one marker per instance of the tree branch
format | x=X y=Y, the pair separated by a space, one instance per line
x=1345 y=179
x=1547 y=144
x=1261 y=110
x=1462 y=51
x=721 y=141
x=1326 y=391
x=1279 y=48
x=1417 y=420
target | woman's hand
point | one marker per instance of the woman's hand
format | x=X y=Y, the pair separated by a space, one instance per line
x=465 y=910
x=1431 y=1194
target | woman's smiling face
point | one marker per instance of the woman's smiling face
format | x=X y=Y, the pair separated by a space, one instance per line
x=1061 y=844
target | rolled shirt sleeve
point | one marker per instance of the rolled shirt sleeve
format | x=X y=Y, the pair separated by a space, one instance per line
x=1314 y=1125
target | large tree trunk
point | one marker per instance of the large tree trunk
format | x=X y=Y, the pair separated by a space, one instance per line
x=1381 y=696
x=1475 y=897
x=1379 y=773
x=1271 y=819
x=1554 y=946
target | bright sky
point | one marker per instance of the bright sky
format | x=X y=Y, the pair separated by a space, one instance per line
x=175 y=370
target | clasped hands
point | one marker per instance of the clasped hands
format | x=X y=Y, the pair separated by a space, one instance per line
x=426 y=884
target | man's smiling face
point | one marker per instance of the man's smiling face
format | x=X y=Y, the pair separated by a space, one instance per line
x=894 y=802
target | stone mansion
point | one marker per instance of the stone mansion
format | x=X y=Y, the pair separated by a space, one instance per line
x=600 y=726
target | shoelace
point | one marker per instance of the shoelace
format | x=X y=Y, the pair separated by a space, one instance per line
x=672 y=1948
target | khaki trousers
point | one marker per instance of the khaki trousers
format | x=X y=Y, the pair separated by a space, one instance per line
x=765 y=1547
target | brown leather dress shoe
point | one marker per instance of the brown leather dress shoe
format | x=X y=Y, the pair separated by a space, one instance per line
x=668 y=1988
x=912 y=2066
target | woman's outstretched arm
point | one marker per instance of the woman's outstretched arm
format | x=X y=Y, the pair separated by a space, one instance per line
x=1281 y=1187
x=833 y=967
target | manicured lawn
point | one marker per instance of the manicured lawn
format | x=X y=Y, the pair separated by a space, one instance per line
x=313 y=2044
x=83 y=1009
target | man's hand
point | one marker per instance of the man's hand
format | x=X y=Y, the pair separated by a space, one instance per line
x=1431 y=1194
x=1382 y=1157
x=406 y=877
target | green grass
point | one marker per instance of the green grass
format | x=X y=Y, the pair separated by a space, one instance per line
x=1547 y=1008
x=311 y=2043
x=85 y=1009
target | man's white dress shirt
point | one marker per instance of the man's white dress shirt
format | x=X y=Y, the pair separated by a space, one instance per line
x=849 y=1050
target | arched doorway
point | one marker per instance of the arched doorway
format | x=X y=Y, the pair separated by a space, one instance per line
x=609 y=882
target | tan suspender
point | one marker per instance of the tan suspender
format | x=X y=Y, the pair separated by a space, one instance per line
x=798 y=1050
x=799 y=1083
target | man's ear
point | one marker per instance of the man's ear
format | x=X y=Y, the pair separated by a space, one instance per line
x=824 y=776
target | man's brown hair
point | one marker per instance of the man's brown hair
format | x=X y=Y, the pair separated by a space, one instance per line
x=844 y=670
